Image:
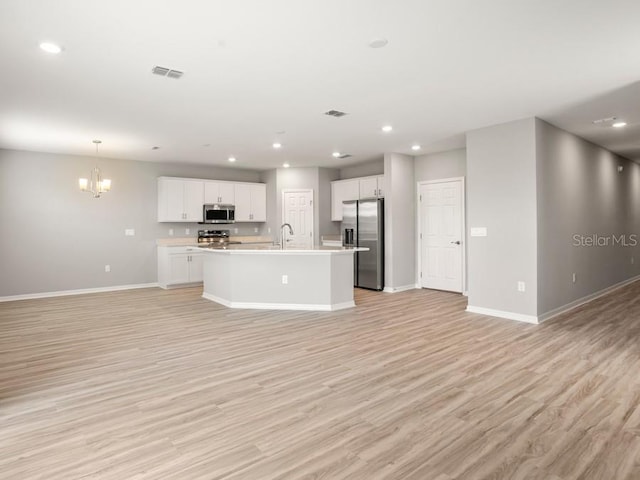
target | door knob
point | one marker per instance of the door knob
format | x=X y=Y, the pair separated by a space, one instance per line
x=457 y=242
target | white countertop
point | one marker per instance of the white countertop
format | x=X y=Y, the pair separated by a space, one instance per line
x=276 y=250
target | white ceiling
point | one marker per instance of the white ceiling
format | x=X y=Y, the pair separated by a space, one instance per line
x=255 y=67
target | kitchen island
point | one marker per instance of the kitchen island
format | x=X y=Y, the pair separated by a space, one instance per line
x=266 y=277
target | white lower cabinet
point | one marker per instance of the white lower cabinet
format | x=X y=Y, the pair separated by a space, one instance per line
x=179 y=266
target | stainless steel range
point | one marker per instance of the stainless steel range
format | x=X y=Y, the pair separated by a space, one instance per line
x=214 y=238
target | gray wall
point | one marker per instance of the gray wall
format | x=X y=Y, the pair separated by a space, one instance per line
x=501 y=196
x=54 y=237
x=436 y=166
x=581 y=192
x=316 y=179
x=270 y=178
x=325 y=225
x=367 y=169
x=400 y=259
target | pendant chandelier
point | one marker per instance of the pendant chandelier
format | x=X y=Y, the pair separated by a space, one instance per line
x=96 y=185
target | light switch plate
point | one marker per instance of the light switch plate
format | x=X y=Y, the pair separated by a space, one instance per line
x=478 y=231
x=130 y=232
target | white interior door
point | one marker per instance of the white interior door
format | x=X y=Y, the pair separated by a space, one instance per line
x=441 y=246
x=297 y=210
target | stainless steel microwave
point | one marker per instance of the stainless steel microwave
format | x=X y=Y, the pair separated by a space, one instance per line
x=218 y=213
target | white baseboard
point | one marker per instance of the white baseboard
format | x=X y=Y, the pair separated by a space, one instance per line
x=586 y=299
x=81 y=291
x=403 y=288
x=178 y=285
x=280 y=306
x=556 y=311
x=502 y=314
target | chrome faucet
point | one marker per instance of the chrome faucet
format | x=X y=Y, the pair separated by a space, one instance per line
x=282 y=234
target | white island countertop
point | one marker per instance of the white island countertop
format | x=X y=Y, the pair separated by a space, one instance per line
x=268 y=277
x=277 y=250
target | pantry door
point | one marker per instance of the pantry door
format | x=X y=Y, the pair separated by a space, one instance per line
x=297 y=210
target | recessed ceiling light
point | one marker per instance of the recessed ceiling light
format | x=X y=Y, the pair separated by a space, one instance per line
x=50 y=47
x=378 y=42
x=335 y=154
x=286 y=165
x=155 y=148
x=619 y=124
x=232 y=159
x=387 y=128
x=277 y=145
x=415 y=147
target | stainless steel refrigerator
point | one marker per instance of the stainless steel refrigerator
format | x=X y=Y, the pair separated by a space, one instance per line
x=363 y=226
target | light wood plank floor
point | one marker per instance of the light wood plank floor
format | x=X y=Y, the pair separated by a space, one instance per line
x=154 y=384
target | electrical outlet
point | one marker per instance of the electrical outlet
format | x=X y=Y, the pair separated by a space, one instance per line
x=573 y=278
x=187 y=231
x=521 y=286
x=130 y=232
x=235 y=230
x=171 y=232
x=633 y=260
x=285 y=279
x=269 y=230
x=107 y=268
x=255 y=230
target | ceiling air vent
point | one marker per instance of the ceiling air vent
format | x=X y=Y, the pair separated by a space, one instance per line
x=175 y=74
x=344 y=155
x=604 y=121
x=166 y=72
x=335 y=113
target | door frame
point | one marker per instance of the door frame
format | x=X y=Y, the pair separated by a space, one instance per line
x=463 y=218
x=313 y=207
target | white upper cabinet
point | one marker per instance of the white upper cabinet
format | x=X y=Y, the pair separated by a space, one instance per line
x=251 y=202
x=369 y=187
x=193 y=200
x=180 y=199
x=372 y=187
x=340 y=191
x=354 y=189
x=380 y=179
x=219 y=192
